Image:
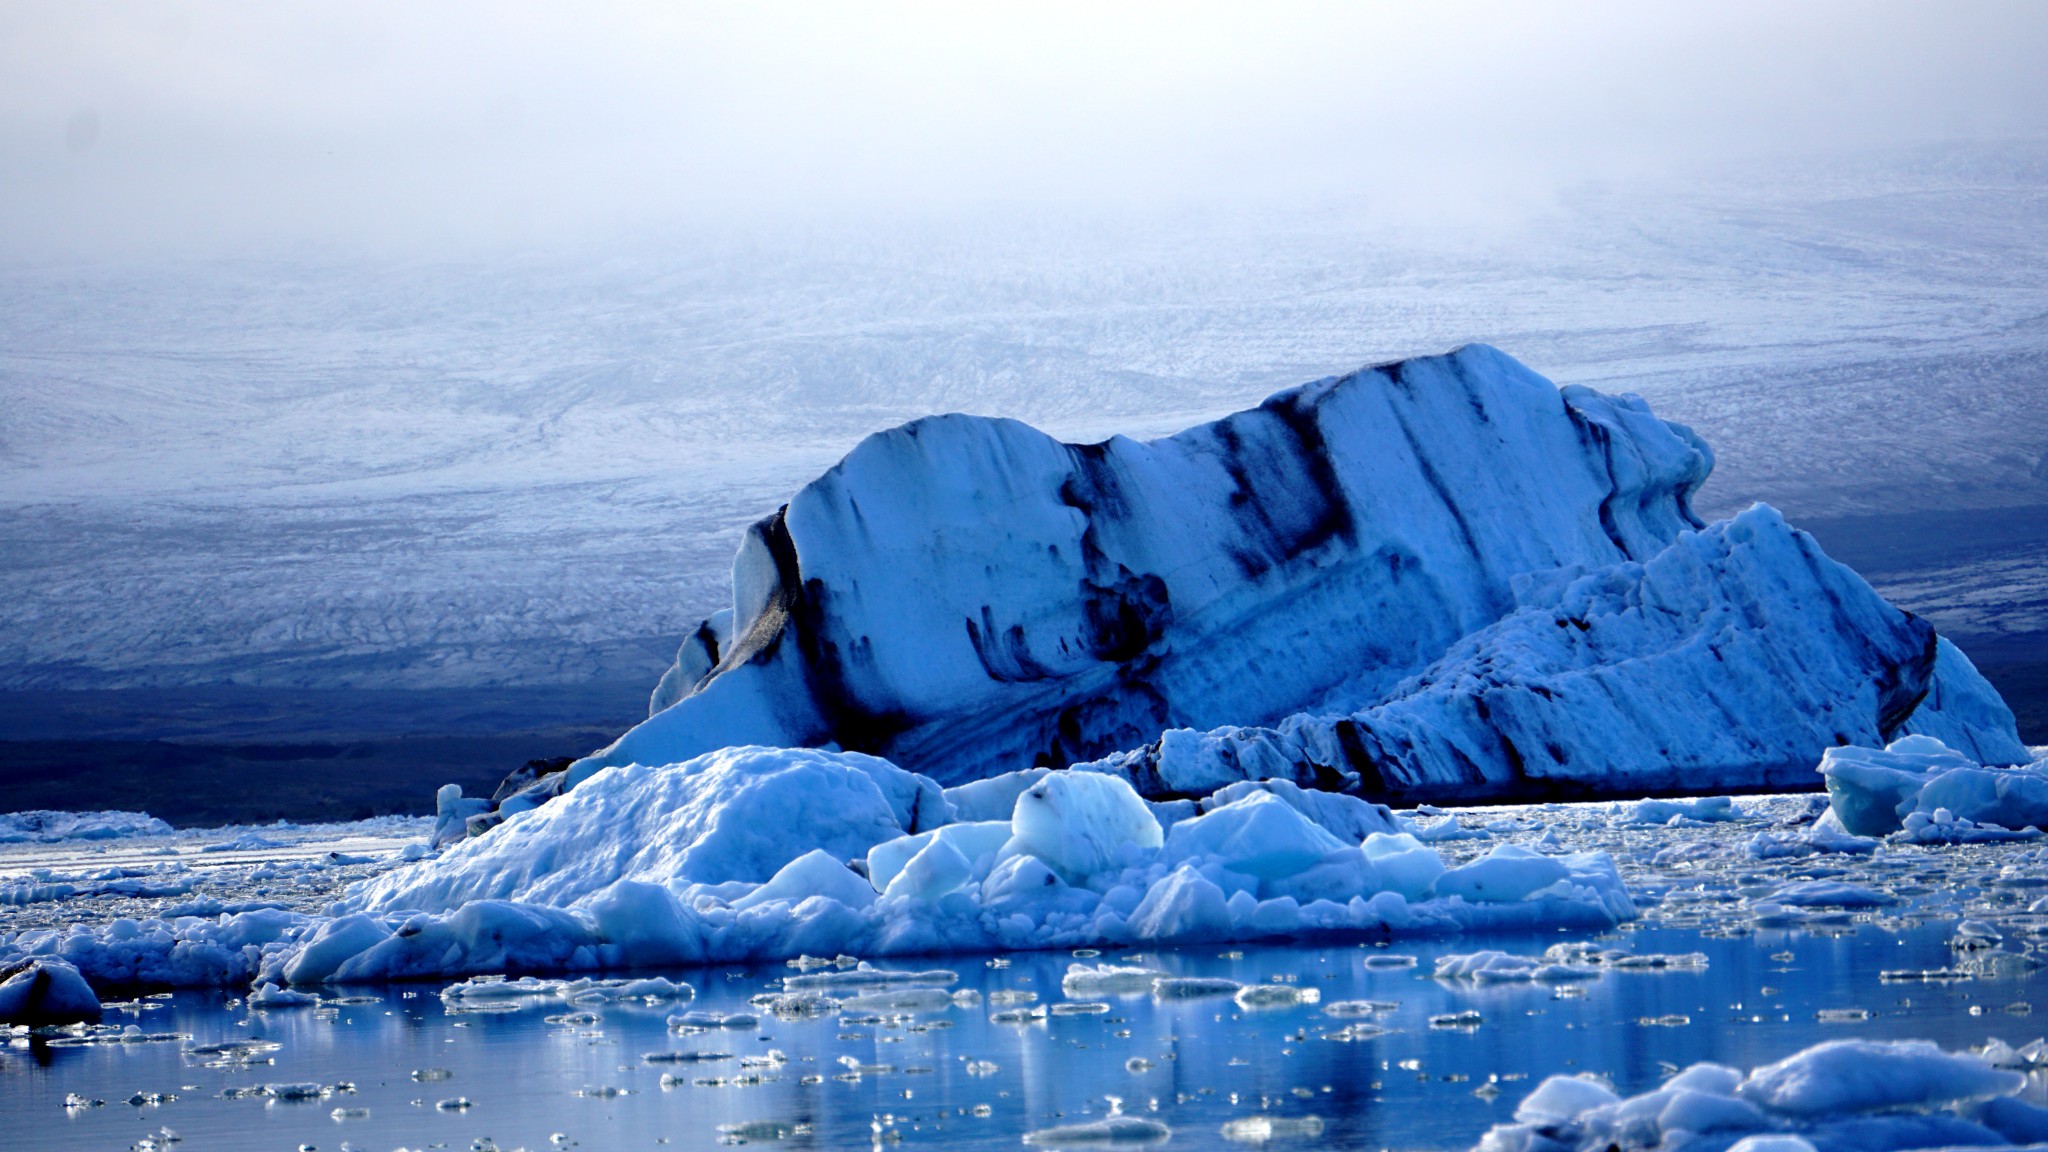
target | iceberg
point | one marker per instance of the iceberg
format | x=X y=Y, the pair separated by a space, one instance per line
x=968 y=596
x=1438 y=579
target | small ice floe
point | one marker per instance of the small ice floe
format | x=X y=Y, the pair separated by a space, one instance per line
x=1831 y=894
x=246 y=842
x=1355 y=1032
x=1110 y=1131
x=1680 y=813
x=1193 y=987
x=705 y=1021
x=796 y=1005
x=1345 y=1009
x=1258 y=997
x=752 y=1130
x=1031 y=1015
x=1464 y=1021
x=1108 y=980
x=1839 y=1094
x=1080 y=1008
x=684 y=1057
x=900 y=1000
x=272 y=996
x=298 y=1092
x=1491 y=967
x=1389 y=960
x=229 y=1053
x=867 y=977
x=1561 y=963
x=1267 y=1129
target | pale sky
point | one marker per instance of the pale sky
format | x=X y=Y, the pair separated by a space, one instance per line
x=223 y=128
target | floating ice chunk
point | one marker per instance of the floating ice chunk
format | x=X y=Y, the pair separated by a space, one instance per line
x=46 y=991
x=1193 y=987
x=1705 y=810
x=1260 y=835
x=1831 y=894
x=1843 y=1077
x=900 y=1000
x=1108 y=979
x=1083 y=823
x=497 y=990
x=868 y=976
x=1266 y=1129
x=730 y=1021
x=1346 y=1009
x=1491 y=967
x=1109 y=1131
x=272 y=996
x=1267 y=996
x=253 y=842
x=1504 y=875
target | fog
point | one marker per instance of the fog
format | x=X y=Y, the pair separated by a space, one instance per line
x=232 y=128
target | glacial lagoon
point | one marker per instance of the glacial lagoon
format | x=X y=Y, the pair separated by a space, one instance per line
x=393 y=1067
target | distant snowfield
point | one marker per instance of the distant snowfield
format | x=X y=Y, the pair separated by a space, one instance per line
x=534 y=470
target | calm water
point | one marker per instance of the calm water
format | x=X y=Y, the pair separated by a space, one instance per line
x=530 y=1081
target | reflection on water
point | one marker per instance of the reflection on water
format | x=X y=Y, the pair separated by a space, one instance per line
x=553 y=1076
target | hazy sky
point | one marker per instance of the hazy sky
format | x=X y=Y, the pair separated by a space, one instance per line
x=231 y=127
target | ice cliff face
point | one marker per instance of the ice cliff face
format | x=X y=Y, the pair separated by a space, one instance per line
x=968 y=596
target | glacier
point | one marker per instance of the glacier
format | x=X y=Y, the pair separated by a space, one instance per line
x=1441 y=578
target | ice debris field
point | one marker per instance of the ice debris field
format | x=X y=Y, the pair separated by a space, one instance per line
x=984 y=694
